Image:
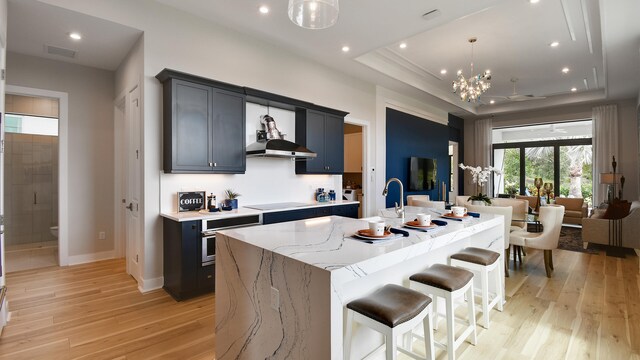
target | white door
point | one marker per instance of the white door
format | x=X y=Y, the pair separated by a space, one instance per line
x=134 y=181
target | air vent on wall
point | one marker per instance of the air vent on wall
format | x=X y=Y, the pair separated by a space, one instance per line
x=54 y=50
x=431 y=14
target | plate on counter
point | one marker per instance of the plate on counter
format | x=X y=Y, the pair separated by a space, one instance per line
x=453 y=217
x=416 y=224
x=435 y=224
x=368 y=235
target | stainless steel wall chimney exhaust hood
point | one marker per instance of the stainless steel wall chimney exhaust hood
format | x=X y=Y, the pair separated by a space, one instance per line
x=271 y=143
x=279 y=148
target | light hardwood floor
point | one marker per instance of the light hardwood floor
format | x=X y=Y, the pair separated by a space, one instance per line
x=589 y=309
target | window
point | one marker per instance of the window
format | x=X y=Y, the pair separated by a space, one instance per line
x=559 y=153
x=36 y=125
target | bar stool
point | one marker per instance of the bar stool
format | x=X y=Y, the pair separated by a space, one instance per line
x=392 y=311
x=450 y=283
x=483 y=262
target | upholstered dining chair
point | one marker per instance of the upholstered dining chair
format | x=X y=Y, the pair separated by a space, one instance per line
x=551 y=219
x=439 y=205
x=505 y=211
x=520 y=211
x=462 y=200
x=412 y=198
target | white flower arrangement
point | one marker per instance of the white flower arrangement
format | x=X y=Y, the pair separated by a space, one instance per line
x=480 y=177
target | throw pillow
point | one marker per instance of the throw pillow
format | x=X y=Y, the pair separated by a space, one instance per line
x=617 y=210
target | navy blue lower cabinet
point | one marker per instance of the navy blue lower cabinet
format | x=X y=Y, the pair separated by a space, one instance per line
x=184 y=275
x=350 y=211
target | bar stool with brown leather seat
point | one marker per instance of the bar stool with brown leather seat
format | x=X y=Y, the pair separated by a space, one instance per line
x=449 y=283
x=483 y=261
x=392 y=310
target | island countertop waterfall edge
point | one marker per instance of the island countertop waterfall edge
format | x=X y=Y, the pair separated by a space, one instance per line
x=313 y=268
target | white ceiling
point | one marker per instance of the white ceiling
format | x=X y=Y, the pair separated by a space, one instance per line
x=33 y=25
x=599 y=42
x=513 y=38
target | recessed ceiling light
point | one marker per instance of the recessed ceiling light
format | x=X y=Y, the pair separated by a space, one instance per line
x=565 y=70
x=264 y=9
x=492 y=102
x=534 y=1
x=574 y=89
x=443 y=71
x=345 y=48
x=75 y=36
x=554 y=44
x=403 y=45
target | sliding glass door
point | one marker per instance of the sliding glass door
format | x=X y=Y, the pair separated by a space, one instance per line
x=576 y=172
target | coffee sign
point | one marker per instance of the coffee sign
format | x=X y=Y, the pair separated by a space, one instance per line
x=191 y=201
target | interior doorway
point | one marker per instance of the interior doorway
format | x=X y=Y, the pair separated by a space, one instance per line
x=354 y=177
x=31 y=169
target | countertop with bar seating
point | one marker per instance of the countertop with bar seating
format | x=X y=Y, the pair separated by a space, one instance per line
x=281 y=288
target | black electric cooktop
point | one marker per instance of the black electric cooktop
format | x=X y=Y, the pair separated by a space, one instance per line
x=276 y=206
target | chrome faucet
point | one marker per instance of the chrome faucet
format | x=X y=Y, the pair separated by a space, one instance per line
x=385 y=192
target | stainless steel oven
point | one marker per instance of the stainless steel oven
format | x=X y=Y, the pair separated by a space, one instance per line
x=210 y=227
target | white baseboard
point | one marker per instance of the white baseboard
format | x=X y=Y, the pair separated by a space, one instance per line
x=147 y=285
x=87 y=258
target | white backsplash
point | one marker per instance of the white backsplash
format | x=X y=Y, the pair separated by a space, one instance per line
x=267 y=180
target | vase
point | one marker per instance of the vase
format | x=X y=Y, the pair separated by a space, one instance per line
x=233 y=203
x=477 y=202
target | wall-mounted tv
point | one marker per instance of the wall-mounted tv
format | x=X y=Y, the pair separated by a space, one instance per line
x=422 y=174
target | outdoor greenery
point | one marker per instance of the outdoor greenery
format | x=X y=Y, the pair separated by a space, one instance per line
x=576 y=179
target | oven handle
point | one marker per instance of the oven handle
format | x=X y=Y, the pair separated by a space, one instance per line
x=212 y=232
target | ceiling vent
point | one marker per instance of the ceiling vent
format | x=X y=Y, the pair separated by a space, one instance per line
x=431 y=14
x=54 y=50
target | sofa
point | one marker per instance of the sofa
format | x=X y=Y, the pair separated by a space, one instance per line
x=596 y=229
x=575 y=209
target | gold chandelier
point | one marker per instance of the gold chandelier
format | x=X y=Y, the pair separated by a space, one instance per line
x=471 y=89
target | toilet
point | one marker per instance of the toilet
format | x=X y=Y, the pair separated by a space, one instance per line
x=54 y=231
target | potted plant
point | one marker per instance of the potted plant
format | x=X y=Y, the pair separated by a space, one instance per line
x=480 y=177
x=232 y=198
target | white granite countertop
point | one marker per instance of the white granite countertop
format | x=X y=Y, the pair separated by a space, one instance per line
x=243 y=211
x=327 y=242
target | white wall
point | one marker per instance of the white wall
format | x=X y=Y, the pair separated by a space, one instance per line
x=90 y=145
x=628 y=128
x=186 y=43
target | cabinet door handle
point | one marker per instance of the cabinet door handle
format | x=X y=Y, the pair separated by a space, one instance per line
x=35 y=198
x=215 y=164
x=210 y=164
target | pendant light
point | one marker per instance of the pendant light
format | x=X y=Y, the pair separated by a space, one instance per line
x=313 y=14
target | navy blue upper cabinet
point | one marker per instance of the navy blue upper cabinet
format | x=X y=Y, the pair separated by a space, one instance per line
x=322 y=133
x=204 y=126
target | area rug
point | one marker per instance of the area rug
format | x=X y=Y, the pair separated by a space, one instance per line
x=571 y=239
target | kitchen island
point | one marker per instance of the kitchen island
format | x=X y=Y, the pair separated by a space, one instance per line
x=281 y=289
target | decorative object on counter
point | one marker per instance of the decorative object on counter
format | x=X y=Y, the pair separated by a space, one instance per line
x=548 y=191
x=537 y=182
x=211 y=203
x=480 y=177
x=313 y=14
x=191 y=201
x=318 y=192
x=332 y=195
x=232 y=199
x=322 y=196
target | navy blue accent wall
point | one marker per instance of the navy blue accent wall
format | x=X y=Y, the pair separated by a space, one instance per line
x=456 y=133
x=408 y=136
